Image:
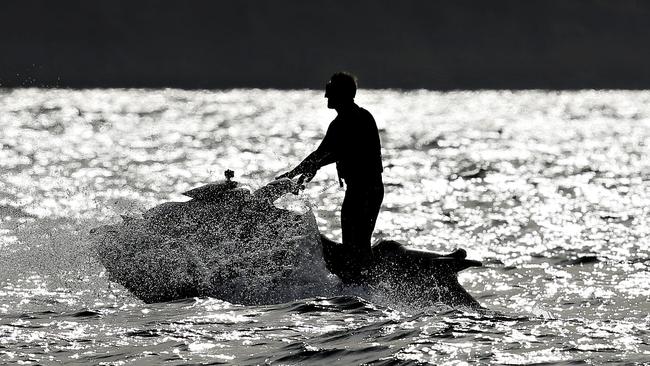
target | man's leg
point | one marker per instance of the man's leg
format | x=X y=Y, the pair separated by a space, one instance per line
x=358 y=217
x=374 y=205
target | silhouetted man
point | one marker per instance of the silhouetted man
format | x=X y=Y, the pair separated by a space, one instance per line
x=352 y=142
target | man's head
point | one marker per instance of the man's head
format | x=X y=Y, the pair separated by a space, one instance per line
x=340 y=90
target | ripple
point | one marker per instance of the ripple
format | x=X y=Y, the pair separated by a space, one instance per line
x=549 y=189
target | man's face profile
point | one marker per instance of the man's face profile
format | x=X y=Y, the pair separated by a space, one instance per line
x=330 y=94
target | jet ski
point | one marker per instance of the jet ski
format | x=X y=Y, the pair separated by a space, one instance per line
x=409 y=274
x=234 y=244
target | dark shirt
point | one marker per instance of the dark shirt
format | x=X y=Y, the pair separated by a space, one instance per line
x=352 y=142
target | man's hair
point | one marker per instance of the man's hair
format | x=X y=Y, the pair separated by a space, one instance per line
x=342 y=84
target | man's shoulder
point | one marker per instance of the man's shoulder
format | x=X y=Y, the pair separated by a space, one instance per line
x=336 y=124
x=364 y=112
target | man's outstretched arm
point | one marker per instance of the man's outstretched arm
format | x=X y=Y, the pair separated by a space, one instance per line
x=325 y=154
x=310 y=165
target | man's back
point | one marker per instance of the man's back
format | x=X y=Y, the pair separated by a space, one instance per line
x=355 y=141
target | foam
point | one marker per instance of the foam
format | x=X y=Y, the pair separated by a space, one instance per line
x=237 y=247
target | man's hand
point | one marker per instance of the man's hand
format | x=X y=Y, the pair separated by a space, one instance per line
x=307 y=176
x=304 y=177
x=307 y=169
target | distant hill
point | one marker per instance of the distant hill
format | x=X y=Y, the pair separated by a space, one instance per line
x=433 y=44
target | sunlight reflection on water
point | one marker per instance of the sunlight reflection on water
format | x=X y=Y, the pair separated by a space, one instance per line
x=548 y=189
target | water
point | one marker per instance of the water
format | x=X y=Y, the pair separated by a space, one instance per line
x=549 y=189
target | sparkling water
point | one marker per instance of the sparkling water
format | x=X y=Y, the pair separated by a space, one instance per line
x=549 y=189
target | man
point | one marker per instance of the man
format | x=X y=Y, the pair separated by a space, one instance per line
x=352 y=142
